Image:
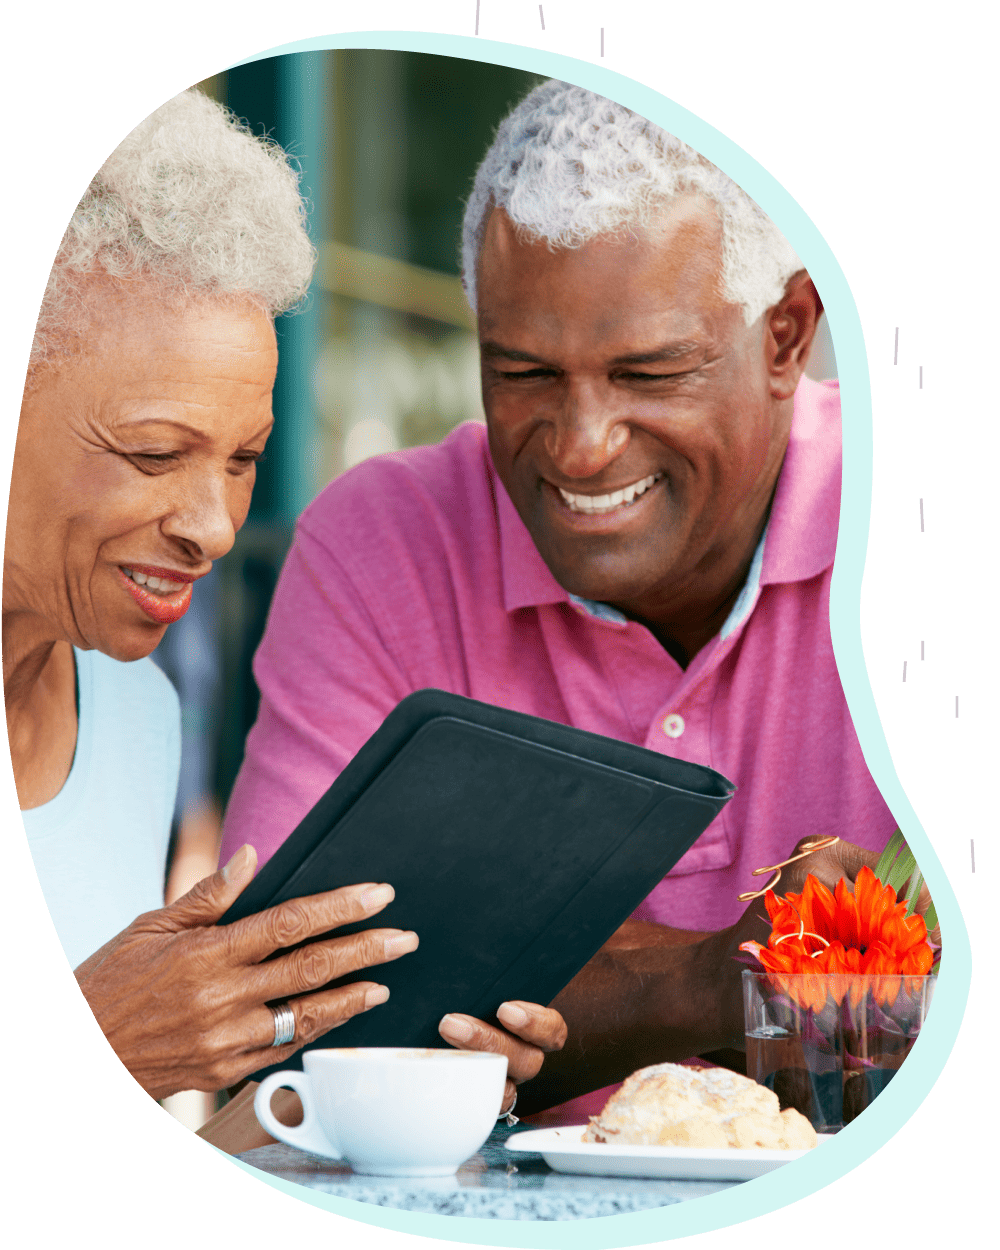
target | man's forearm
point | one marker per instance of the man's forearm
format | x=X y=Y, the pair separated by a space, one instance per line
x=651 y=995
x=654 y=994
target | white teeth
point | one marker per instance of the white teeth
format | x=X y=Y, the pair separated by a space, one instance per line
x=160 y=585
x=604 y=503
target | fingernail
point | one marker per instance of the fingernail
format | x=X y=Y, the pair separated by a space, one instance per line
x=456 y=1028
x=401 y=945
x=376 y=996
x=512 y=1015
x=377 y=896
x=237 y=865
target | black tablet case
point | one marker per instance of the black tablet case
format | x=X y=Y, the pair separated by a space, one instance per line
x=516 y=847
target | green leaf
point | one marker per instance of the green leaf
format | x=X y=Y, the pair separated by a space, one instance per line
x=913 y=893
x=902 y=871
x=897 y=865
x=886 y=859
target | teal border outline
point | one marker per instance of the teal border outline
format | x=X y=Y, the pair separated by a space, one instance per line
x=911 y=1085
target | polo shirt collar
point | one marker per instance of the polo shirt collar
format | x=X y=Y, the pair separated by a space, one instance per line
x=801 y=536
x=527 y=582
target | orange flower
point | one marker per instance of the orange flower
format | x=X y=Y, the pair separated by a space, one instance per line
x=864 y=933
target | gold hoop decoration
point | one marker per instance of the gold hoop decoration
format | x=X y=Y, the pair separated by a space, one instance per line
x=802 y=934
x=808 y=848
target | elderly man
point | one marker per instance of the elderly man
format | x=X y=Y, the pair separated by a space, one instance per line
x=639 y=543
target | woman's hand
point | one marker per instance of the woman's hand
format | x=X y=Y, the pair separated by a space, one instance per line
x=183 y=1001
x=531 y=1033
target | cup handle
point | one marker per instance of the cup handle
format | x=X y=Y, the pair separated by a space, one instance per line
x=305 y=1136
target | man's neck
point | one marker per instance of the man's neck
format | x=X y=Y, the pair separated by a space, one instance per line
x=685 y=629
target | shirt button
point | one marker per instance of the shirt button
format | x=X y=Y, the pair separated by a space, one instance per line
x=673 y=725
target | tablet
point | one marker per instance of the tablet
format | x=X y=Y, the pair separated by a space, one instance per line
x=516 y=847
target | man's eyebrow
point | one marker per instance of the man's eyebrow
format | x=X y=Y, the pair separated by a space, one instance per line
x=661 y=354
x=491 y=351
x=658 y=355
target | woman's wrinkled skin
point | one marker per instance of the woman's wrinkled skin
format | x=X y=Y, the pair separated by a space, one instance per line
x=182 y=1001
x=135 y=453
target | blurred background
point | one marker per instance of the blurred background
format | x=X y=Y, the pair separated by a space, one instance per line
x=382 y=356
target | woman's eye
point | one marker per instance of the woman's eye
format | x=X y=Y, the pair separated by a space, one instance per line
x=151 y=461
x=247 y=459
x=528 y=374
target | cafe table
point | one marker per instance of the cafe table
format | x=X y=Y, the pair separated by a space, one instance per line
x=494 y=1185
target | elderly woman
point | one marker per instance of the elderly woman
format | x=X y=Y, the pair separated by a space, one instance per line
x=147 y=405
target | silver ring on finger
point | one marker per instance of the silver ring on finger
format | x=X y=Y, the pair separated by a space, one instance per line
x=284 y=1025
x=508 y=1116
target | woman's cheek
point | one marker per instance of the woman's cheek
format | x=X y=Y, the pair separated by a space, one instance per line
x=240 y=497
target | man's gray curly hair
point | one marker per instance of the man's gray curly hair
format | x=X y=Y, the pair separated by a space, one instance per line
x=192 y=200
x=568 y=165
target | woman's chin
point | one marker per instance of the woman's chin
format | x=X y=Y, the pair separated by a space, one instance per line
x=130 y=642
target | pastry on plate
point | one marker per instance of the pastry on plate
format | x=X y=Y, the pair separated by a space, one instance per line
x=702 y=1108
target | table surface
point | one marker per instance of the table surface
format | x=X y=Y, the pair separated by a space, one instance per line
x=493 y=1185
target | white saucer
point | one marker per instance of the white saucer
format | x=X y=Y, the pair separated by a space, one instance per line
x=563 y=1151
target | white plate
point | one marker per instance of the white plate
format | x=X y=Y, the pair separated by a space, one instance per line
x=563 y=1150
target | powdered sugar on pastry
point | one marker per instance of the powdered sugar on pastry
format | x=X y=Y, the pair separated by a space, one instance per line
x=703 y=1108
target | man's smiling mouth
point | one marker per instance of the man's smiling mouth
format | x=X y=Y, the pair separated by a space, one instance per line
x=595 y=504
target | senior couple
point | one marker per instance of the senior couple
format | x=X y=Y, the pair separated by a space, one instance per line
x=639 y=542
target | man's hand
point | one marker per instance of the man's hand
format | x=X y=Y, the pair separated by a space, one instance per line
x=846 y=860
x=183 y=1002
x=653 y=994
x=530 y=1033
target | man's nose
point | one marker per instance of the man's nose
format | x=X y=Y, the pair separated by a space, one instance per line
x=201 y=520
x=588 y=432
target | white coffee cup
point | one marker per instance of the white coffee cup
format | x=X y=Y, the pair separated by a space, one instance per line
x=389 y=1111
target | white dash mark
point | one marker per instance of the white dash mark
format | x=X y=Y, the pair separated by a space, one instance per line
x=895 y=350
x=904 y=670
x=921 y=516
x=542 y=16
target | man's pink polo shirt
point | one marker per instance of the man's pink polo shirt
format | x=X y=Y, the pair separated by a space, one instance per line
x=415 y=570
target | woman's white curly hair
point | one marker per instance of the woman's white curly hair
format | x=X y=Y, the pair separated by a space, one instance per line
x=192 y=200
x=568 y=165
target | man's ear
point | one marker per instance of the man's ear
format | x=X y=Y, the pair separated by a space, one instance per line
x=790 y=327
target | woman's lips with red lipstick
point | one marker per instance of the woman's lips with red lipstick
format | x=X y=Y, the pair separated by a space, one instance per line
x=163 y=594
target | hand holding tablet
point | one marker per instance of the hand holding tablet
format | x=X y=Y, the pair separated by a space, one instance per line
x=515 y=846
